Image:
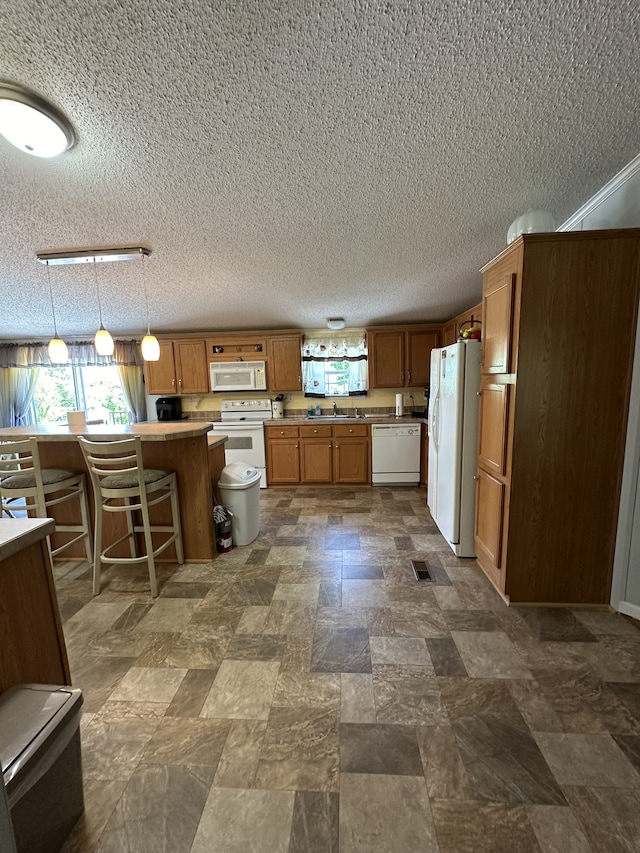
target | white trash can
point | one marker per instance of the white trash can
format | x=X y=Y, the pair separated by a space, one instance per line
x=239 y=490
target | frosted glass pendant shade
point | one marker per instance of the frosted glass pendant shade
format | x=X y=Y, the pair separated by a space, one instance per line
x=103 y=342
x=150 y=348
x=58 y=352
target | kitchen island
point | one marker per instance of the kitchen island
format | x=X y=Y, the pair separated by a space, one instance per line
x=180 y=446
x=32 y=647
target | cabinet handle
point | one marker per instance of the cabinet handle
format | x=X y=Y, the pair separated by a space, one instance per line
x=315 y=430
x=351 y=430
x=402 y=377
x=281 y=432
x=180 y=382
x=475 y=477
x=408 y=377
x=296 y=447
x=478 y=393
x=173 y=382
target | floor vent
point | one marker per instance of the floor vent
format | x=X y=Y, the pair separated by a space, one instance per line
x=420 y=570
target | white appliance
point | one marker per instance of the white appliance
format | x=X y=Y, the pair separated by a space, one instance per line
x=238 y=376
x=453 y=443
x=395 y=454
x=242 y=421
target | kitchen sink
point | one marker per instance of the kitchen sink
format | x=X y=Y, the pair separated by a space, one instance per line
x=326 y=417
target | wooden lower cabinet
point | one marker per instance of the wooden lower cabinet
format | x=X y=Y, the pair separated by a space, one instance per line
x=351 y=460
x=319 y=454
x=490 y=493
x=316 y=460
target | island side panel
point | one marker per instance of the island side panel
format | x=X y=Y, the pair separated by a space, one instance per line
x=189 y=458
x=32 y=647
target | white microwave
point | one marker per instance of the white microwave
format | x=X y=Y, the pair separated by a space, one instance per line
x=238 y=376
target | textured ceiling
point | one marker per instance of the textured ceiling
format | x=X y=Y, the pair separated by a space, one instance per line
x=291 y=161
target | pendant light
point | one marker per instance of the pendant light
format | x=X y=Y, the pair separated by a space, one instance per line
x=150 y=347
x=57 y=349
x=103 y=340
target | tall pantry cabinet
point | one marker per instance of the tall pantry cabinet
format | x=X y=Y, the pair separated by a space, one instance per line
x=559 y=319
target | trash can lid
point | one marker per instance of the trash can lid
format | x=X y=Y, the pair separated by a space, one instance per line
x=29 y=714
x=238 y=475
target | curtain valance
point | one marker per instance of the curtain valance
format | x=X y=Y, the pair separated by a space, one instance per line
x=82 y=353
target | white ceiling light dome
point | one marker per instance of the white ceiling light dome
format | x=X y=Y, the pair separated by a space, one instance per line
x=335 y=323
x=31 y=124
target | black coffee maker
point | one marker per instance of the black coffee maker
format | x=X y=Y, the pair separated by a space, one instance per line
x=169 y=408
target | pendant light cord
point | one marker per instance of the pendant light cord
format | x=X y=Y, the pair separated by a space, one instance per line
x=95 y=271
x=146 y=294
x=53 y=310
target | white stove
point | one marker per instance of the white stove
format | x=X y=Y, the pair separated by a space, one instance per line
x=242 y=422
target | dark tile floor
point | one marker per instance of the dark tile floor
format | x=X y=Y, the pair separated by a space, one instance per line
x=306 y=693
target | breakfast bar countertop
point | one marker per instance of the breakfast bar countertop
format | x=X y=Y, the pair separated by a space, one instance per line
x=105 y=432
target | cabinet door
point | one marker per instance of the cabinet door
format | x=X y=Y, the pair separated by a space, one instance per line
x=316 y=460
x=386 y=358
x=490 y=497
x=419 y=346
x=192 y=368
x=351 y=460
x=449 y=333
x=492 y=428
x=283 y=461
x=284 y=371
x=497 y=312
x=160 y=376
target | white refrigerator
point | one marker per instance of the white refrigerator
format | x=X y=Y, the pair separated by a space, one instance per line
x=453 y=443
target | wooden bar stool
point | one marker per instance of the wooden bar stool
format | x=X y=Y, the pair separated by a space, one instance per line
x=22 y=477
x=122 y=484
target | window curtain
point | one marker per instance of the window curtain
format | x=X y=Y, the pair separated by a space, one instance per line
x=133 y=388
x=17 y=387
x=320 y=347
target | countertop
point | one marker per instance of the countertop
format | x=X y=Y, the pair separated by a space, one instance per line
x=369 y=419
x=19 y=533
x=104 y=432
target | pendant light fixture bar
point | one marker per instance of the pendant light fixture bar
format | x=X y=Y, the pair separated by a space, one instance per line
x=82 y=256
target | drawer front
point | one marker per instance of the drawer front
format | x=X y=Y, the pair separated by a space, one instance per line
x=348 y=430
x=320 y=431
x=281 y=432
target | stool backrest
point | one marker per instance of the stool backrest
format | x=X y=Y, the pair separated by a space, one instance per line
x=109 y=458
x=20 y=457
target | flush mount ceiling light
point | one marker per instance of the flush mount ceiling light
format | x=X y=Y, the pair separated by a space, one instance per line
x=335 y=323
x=32 y=124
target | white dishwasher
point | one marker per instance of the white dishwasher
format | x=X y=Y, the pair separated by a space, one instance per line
x=395 y=454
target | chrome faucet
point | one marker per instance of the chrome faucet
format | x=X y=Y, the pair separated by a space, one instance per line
x=334 y=408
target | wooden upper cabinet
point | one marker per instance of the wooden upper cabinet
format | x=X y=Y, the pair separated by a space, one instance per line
x=449 y=333
x=192 y=367
x=401 y=358
x=386 y=358
x=160 y=375
x=419 y=346
x=497 y=312
x=181 y=369
x=284 y=369
x=242 y=347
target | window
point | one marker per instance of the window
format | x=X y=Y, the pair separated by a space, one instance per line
x=93 y=389
x=335 y=366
